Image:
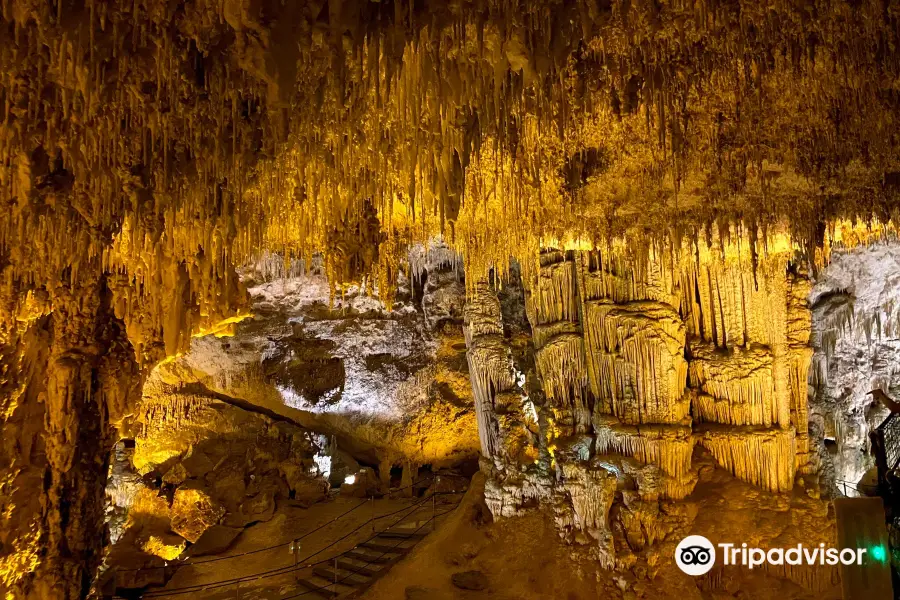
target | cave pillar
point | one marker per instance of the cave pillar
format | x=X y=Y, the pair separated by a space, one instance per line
x=551 y=304
x=512 y=425
x=749 y=358
x=408 y=476
x=800 y=354
x=384 y=473
x=490 y=364
x=635 y=341
x=90 y=371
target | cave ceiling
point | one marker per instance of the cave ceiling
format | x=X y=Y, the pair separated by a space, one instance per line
x=161 y=143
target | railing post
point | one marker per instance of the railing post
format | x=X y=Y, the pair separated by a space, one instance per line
x=878 y=449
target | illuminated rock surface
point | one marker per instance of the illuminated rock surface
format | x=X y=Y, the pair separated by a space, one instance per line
x=670 y=178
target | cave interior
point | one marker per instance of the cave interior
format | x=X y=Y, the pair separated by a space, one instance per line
x=573 y=278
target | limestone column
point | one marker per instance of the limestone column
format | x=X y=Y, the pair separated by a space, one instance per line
x=634 y=345
x=91 y=373
x=490 y=364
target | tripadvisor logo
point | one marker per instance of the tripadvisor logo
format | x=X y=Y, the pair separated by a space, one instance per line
x=696 y=555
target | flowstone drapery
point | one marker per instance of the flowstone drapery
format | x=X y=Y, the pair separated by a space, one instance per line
x=640 y=359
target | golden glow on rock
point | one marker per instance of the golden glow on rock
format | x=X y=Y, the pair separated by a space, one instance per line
x=23 y=559
x=147 y=149
x=158 y=547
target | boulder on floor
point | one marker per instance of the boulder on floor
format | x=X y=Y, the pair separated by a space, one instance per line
x=304 y=490
x=138 y=579
x=470 y=580
x=215 y=540
x=363 y=484
x=176 y=475
x=193 y=512
x=259 y=507
x=342 y=466
x=197 y=463
x=228 y=488
x=165 y=545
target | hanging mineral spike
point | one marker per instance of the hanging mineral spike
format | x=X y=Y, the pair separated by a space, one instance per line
x=636 y=203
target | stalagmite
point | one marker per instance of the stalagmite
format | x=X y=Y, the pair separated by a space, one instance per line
x=591 y=491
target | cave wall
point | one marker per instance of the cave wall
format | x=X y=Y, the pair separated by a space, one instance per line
x=390 y=388
x=854 y=334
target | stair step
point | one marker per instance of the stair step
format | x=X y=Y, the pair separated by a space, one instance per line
x=346 y=578
x=402 y=535
x=368 y=558
x=316 y=589
x=360 y=569
x=384 y=548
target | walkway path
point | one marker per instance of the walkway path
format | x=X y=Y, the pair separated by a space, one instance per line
x=351 y=544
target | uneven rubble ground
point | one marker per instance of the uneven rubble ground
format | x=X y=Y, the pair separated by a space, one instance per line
x=523 y=558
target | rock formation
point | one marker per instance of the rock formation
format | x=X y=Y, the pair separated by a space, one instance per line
x=669 y=178
x=640 y=358
x=854 y=322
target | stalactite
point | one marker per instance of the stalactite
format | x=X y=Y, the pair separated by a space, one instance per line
x=816 y=578
x=799 y=357
x=667 y=446
x=736 y=388
x=552 y=310
x=763 y=457
x=637 y=367
x=560 y=366
x=630 y=273
x=552 y=300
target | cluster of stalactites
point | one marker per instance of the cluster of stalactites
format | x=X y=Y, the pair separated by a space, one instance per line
x=630 y=345
x=638 y=366
x=667 y=446
x=207 y=132
x=763 y=457
x=121 y=160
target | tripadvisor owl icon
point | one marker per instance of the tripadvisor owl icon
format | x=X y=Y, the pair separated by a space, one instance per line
x=695 y=555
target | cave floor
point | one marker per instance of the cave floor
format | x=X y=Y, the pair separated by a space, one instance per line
x=332 y=539
x=523 y=558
